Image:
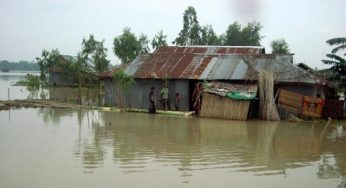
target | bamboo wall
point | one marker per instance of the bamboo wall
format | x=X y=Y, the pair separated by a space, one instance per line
x=214 y=106
x=138 y=94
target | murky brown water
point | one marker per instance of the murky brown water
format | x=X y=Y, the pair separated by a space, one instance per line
x=63 y=148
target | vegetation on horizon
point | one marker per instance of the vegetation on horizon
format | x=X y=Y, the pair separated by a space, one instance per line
x=6 y=66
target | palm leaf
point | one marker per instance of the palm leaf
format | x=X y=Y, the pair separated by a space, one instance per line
x=337 y=41
x=336 y=57
x=330 y=62
x=341 y=47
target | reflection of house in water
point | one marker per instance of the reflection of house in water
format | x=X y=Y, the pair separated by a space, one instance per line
x=71 y=93
x=335 y=144
x=189 y=144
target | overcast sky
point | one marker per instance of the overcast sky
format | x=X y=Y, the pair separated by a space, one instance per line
x=28 y=26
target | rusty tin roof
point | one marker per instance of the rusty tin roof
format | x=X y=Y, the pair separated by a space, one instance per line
x=218 y=63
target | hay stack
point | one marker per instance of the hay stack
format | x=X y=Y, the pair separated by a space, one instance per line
x=267 y=107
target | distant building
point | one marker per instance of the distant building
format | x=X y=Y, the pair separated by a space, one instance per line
x=56 y=75
x=183 y=67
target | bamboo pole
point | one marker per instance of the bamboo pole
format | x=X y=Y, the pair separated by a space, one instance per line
x=325 y=128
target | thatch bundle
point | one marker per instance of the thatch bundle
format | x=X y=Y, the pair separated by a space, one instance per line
x=267 y=107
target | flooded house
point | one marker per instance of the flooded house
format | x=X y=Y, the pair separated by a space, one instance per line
x=56 y=75
x=231 y=70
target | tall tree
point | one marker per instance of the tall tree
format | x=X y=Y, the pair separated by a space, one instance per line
x=279 y=46
x=80 y=71
x=95 y=49
x=100 y=57
x=191 y=32
x=159 y=40
x=144 y=43
x=249 y=35
x=126 y=46
x=338 y=63
x=233 y=35
x=208 y=36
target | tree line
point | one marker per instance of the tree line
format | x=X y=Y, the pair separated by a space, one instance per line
x=6 y=66
x=128 y=46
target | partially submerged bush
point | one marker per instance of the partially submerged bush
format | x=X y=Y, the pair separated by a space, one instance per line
x=30 y=81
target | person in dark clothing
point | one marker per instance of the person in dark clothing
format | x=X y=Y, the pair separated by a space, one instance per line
x=152 y=108
x=177 y=101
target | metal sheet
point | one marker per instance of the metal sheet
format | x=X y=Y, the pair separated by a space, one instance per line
x=218 y=63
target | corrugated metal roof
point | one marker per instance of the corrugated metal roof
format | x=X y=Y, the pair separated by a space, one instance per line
x=218 y=63
x=210 y=50
x=111 y=73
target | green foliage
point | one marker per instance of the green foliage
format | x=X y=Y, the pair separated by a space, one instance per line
x=338 y=63
x=208 y=36
x=126 y=46
x=95 y=49
x=247 y=36
x=233 y=35
x=191 y=32
x=143 y=43
x=124 y=81
x=30 y=81
x=79 y=70
x=236 y=35
x=47 y=60
x=279 y=46
x=159 y=40
x=340 y=41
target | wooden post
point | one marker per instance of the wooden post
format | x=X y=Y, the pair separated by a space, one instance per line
x=8 y=94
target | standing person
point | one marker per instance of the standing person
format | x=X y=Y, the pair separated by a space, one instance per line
x=164 y=97
x=152 y=108
x=177 y=101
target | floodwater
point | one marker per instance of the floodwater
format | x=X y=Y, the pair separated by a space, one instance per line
x=9 y=91
x=84 y=148
x=42 y=148
x=66 y=94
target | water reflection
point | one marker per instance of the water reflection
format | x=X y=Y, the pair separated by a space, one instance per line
x=165 y=151
x=65 y=94
x=141 y=143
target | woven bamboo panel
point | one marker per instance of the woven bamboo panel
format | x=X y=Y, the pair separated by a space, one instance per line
x=290 y=101
x=214 y=106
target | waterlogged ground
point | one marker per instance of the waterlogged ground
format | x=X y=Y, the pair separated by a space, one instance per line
x=64 y=148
